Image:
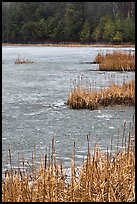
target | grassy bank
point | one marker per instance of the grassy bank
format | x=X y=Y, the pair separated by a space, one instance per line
x=103 y=177
x=69 y=45
x=116 y=61
x=80 y=98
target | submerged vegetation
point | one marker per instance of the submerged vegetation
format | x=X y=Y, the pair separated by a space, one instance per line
x=116 y=61
x=86 y=98
x=103 y=177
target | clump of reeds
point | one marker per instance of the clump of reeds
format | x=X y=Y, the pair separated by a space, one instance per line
x=103 y=177
x=84 y=98
x=116 y=61
x=22 y=61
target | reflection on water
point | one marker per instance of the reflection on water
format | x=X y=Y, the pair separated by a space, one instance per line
x=34 y=106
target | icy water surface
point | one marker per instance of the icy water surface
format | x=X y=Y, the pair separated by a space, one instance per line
x=34 y=106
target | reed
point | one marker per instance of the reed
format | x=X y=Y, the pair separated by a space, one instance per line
x=103 y=177
x=72 y=44
x=85 y=98
x=22 y=61
x=116 y=61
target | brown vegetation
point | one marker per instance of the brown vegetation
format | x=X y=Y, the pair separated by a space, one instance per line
x=103 y=177
x=80 y=98
x=63 y=44
x=116 y=61
x=22 y=61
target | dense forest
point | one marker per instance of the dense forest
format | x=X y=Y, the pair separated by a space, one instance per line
x=55 y=22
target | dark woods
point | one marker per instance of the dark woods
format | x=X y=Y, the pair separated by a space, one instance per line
x=54 y=22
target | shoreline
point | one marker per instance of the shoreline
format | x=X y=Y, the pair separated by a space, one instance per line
x=69 y=45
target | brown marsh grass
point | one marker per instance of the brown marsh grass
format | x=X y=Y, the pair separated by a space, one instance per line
x=22 y=61
x=71 y=44
x=85 y=98
x=116 y=61
x=103 y=177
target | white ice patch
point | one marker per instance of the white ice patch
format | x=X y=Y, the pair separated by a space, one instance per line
x=111 y=127
x=58 y=103
x=104 y=116
x=34 y=113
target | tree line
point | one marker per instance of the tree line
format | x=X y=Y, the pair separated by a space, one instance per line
x=54 y=22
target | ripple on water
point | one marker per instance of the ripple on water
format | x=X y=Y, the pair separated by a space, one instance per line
x=35 y=96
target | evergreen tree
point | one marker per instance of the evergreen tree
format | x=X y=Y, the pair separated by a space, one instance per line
x=109 y=30
x=129 y=30
x=118 y=24
x=99 y=30
x=85 y=34
x=73 y=22
x=118 y=37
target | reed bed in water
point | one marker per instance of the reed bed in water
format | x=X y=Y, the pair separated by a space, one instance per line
x=84 y=98
x=116 y=61
x=22 y=61
x=103 y=177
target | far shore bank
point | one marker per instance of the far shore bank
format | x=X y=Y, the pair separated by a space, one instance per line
x=69 y=45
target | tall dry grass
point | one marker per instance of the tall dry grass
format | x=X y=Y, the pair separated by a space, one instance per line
x=103 y=177
x=80 y=97
x=116 y=61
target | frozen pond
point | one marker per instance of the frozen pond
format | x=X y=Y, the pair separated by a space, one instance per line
x=34 y=106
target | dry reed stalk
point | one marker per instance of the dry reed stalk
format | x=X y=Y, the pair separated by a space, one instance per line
x=116 y=61
x=22 y=61
x=110 y=179
x=103 y=177
x=114 y=95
